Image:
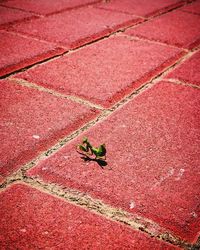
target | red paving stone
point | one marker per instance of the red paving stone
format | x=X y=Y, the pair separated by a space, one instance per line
x=153 y=160
x=152 y=142
x=8 y=16
x=101 y=75
x=18 y=52
x=76 y=27
x=141 y=7
x=31 y=219
x=31 y=121
x=193 y=8
x=47 y=6
x=175 y=28
x=188 y=71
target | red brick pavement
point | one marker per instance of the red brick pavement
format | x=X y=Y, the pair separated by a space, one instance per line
x=123 y=73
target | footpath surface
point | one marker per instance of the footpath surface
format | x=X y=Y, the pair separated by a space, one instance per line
x=124 y=73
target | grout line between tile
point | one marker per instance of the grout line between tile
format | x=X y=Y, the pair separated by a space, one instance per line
x=180 y=82
x=103 y=115
x=22 y=10
x=119 y=30
x=89 y=203
x=55 y=93
x=151 y=41
x=68 y=51
x=100 y=208
x=82 y=199
x=36 y=39
x=89 y=5
x=179 y=62
x=152 y=15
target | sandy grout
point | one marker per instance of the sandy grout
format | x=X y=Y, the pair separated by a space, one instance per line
x=55 y=93
x=103 y=115
x=78 y=199
x=100 y=208
x=137 y=38
x=68 y=50
x=180 y=82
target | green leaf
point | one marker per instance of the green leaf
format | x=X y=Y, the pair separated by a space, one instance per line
x=82 y=148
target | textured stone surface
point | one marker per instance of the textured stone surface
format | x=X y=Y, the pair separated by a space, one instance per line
x=18 y=52
x=100 y=74
x=140 y=7
x=47 y=6
x=76 y=27
x=31 y=219
x=193 y=8
x=188 y=71
x=31 y=121
x=153 y=160
x=176 y=28
x=8 y=16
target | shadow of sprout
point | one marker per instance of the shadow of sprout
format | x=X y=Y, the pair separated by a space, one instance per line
x=102 y=163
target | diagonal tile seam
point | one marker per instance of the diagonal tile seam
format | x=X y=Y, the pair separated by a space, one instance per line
x=55 y=12
x=75 y=98
x=75 y=8
x=190 y=3
x=4 y=26
x=52 y=58
x=137 y=38
x=163 y=11
x=119 y=30
x=55 y=93
x=36 y=39
x=153 y=17
x=180 y=82
x=17 y=176
x=16 y=8
x=88 y=103
x=103 y=115
x=110 y=10
x=147 y=19
x=100 y=208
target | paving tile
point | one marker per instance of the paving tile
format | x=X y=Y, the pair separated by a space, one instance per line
x=188 y=71
x=31 y=121
x=176 y=28
x=192 y=8
x=140 y=7
x=18 y=52
x=8 y=16
x=153 y=160
x=100 y=74
x=31 y=219
x=47 y=6
x=76 y=27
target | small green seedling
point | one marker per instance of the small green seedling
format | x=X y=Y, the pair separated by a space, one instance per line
x=87 y=149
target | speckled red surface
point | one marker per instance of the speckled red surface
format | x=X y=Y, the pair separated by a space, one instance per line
x=100 y=73
x=152 y=158
x=9 y=16
x=18 y=52
x=174 y=28
x=142 y=53
x=31 y=121
x=47 y=6
x=188 y=71
x=31 y=219
x=141 y=7
x=76 y=27
x=192 y=8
